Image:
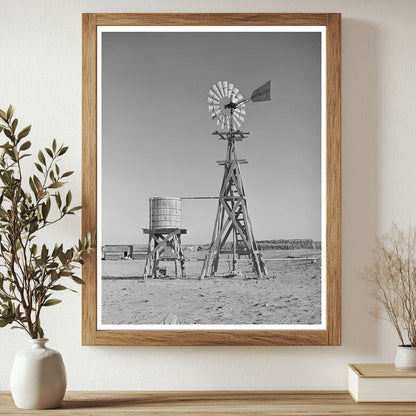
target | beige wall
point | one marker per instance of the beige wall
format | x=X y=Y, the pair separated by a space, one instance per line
x=40 y=73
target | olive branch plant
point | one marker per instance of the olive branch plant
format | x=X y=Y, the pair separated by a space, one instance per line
x=30 y=272
x=393 y=278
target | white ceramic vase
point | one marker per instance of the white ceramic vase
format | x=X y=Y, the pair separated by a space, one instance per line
x=405 y=358
x=38 y=378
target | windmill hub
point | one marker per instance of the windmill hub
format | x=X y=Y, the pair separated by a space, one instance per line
x=230 y=105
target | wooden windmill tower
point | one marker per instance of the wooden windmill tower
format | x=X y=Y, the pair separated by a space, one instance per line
x=226 y=106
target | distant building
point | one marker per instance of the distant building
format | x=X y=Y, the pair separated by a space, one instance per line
x=116 y=252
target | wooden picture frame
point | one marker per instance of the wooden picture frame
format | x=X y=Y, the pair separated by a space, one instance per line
x=331 y=334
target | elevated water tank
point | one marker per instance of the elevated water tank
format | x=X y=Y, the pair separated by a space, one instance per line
x=165 y=212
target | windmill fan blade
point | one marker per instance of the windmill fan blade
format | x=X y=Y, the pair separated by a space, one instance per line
x=236 y=122
x=240 y=111
x=213 y=108
x=213 y=95
x=239 y=97
x=212 y=101
x=216 y=91
x=262 y=93
x=224 y=85
x=234 y=92
x=221 y=90
x=230 y=90
x=239 y=116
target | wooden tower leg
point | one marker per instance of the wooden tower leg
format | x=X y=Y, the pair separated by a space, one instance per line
x=181 y=257
x=176 y=268
x=156 y=265
x=148 y=267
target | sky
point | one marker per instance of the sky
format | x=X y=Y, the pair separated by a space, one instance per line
x=157 y=132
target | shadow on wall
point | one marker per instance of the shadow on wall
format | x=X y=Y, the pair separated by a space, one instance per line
x=360 y=186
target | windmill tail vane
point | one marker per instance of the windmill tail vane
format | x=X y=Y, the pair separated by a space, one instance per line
x=262 y=93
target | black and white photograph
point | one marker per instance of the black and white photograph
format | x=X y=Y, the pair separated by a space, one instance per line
x=211 y=178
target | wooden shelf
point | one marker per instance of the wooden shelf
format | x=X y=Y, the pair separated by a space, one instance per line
x=212 y=403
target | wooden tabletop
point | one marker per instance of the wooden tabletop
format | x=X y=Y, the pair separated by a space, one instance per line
x=212 y=403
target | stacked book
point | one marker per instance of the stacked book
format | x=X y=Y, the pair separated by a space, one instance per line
x=381 y=383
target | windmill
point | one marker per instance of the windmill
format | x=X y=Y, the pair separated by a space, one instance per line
x=227 y=108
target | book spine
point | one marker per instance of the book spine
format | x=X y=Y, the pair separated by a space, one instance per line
x=353 y=381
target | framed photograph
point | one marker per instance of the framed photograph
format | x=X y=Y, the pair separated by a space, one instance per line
x=211 y=172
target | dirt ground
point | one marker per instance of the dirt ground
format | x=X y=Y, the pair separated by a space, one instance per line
x=291 y=294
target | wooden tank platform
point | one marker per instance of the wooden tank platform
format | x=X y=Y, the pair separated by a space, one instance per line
x=164 y=245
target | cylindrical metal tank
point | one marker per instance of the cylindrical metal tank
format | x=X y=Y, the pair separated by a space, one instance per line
x=165 y=212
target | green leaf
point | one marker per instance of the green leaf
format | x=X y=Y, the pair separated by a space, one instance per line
x=3 y=115
x=34 y=249
x=39 y=167
x=24 y=132
x=40 y=332
x=8 y=133
x=37 y=182
x=41 y=157
x=77 y=208
x=25 y=145
x=55 y=251
x=54 y=145
x=5 y=321
x=76 y=279
x=63 y=150
x=56 y=185
x=51 y=302
x=67 y=174
x=14 y=125
x=10 y=112
x=33 y=187
x=59 y=287
x=62 y=257
x=45 y=211
x=58 y=199
x=44 y=253
x=68 y=199
x=49 y=152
